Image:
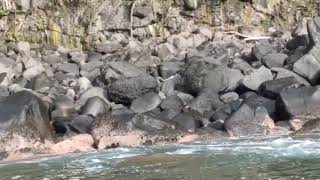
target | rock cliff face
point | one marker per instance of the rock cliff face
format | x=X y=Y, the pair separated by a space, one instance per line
x=83 y=23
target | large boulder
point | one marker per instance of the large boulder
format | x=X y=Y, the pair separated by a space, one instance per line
x=89 y=93
x=313 y=27
x=145 y=103
x=248 y=121
x=205 y=102
x=261 y=50
x=26 y=114
x=78 y=124
x=274 y=60
x=283 y=73
x=124 y=91
x=149 y=124
x=256 y=78
x=200 y=75
x=273 y=88
x=63 y=106
x=300 y=102
x=186 y=121
x=309 y=65
x=253 y=100
x=95 y=106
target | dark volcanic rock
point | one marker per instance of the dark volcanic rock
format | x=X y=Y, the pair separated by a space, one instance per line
x=108 y=47
x=172 y=102
x=79 y=124
x=63 y=106
x=283 y=73
x=125 y=90
x=228 y=97
x=313 y=27
x=170 y=68
x=309 y=65
x=4 y=92
x=261 y=50
x=200 y=75
x=69 y=68
x=186 y=121
x=40 y=82
x=253 y=100
x=95 y=106
x=205 y=102
x=24 y=113
x=303 y=102
x=91 y=92
x=273 y=88
x=248 y=121
x=146 y=102
x=148 y=123
x=122 y=115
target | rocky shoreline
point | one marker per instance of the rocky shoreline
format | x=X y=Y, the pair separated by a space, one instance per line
x=124 y=92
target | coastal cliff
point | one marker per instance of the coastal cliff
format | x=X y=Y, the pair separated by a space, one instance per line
x=83 y=23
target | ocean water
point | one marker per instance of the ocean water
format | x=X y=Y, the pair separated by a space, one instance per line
x=268 y=158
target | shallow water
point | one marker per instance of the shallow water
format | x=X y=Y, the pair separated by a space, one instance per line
x=269 y=158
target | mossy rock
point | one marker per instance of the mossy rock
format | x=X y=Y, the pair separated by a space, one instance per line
x=55 y=33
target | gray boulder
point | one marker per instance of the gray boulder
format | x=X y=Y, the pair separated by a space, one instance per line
x=205 y=102
x=228 y=97
x=283 y=73
x=191 y=4
x=300 y=102
x=95 y=106
x=145 y=103
x=148 y=123
x=124 y=91
x=273 y=88
x=200 y=75
x=69 y=68
x=247 y=121
x=274 y=60
x=79 y=124
x=26 y=114
x=172 y=102
x=309 y=65
x=170 y=68
x=108 y=47
x=91 y=92
x=257 y=77
x=186 y=121
x=313 y=27
x=261 y=50
x=63 y=106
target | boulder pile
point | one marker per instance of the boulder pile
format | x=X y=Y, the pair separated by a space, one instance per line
x=126 y=92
